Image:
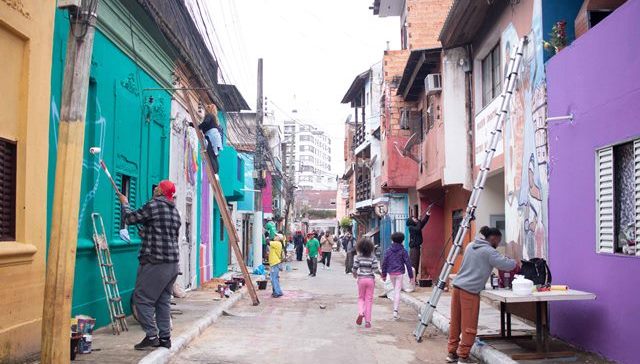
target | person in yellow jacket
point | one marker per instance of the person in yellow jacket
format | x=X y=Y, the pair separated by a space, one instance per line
x=276 y=254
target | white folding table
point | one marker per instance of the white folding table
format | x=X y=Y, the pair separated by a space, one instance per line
x=541 y=300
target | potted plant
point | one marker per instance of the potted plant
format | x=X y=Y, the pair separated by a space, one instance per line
x=558 y=38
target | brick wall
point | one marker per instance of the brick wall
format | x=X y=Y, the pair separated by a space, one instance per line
x=424 y=20
x=392 y=68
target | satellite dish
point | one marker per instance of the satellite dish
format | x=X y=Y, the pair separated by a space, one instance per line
x=405 y=152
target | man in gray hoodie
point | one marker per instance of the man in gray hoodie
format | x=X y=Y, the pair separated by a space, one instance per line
x=480 y=258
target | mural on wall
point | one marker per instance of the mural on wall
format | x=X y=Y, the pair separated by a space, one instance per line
x=89 y=162
x=526 y=162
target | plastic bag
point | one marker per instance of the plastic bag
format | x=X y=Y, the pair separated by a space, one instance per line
x=259 y=270
x=408 y=284
x=388 y=288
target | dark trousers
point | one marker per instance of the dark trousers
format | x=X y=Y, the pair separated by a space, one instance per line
x=152 y=295
x=299 y=253
x=414 y=256
x=348 y=262
x=312 y=263
x=326 y=258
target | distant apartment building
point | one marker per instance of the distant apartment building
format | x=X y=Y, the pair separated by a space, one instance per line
x=308 y=156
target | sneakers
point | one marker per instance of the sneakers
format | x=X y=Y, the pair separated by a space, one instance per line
x=148 y=343
x=467 y=360
x=367 y=325
x=395 y=315
x=359 y=320
x=165 y=343
x=452 y=358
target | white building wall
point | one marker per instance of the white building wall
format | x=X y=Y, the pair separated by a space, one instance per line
x=316 y=155
x=457 y=166
x=183 y=140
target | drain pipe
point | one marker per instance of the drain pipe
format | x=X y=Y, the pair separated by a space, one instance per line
x=468 y=74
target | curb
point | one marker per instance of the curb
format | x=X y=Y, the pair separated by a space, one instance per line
x=480 y=350
x=162 y=355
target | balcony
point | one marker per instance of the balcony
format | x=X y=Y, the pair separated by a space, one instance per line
x=363 y=190
x=358 y=136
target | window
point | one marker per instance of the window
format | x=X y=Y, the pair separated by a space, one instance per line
x=596 y=16
x=618 y=198
x=404 y=36
x=240 y=171
x=404 y=118
x=8 y=166
x=456 y=218
x=221 y=227
x=125 y=189
x=491 y=77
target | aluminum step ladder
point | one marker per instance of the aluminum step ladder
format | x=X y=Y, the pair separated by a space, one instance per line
x=108 y=274
x=501 y=115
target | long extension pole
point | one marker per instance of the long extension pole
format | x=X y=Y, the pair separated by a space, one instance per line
x=496 y=134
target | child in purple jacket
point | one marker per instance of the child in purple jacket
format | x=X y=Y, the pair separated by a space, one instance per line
x=396 y=259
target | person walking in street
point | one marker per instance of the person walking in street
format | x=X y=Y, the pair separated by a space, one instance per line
x=159 y=256
x=365 y=265
x=276 y=254
x=394 y=263
x=480 y=258
x=298 y=242
x=326 y=246
x=349 y=245
x=415 y=226
x=313 y=246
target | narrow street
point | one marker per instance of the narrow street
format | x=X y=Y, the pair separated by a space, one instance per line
x=295 y=328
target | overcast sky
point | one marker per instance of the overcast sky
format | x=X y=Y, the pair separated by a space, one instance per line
x=312 y=50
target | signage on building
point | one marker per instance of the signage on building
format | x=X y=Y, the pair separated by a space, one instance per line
x=484 y=123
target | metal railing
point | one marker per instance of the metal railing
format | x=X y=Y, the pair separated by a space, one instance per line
x=359 y=136
x=363 y=190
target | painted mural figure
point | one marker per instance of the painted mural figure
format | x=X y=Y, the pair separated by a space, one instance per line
x=159 y=263
x=525 y=145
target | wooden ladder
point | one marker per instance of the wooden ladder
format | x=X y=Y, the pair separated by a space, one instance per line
x=222 y=203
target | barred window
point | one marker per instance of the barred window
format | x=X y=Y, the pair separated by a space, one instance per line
x=8 y=164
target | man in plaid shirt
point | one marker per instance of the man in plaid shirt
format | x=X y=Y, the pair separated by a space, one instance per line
x=158 y=269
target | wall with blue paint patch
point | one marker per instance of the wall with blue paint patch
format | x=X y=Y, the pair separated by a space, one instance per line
x=131 y=126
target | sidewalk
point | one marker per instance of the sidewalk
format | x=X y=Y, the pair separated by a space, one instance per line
x=191 y=315
x=497 y=351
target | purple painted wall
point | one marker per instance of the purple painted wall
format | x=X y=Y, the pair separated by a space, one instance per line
x=597 y=79
x=205 y=230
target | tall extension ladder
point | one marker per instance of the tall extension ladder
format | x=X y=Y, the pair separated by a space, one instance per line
x=507 y=92
x=109 y=281
x=214 y=181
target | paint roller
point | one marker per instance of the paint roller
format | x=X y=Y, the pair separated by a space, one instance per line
x=124 y=233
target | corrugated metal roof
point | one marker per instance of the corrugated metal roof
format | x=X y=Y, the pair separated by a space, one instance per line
x=356 y=86
x=420 y=62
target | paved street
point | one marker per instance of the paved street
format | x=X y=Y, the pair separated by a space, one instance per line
x=295 y=329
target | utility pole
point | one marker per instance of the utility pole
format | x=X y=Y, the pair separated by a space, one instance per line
x=258 y=164
x=64 y=225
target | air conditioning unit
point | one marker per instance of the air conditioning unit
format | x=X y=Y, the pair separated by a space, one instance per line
x=433 y=83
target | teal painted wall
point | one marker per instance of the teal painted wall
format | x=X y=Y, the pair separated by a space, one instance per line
x=246 y=203
x=232 y=180
x=231 y=167
x=133 y=133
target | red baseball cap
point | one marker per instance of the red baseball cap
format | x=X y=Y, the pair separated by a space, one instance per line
x=168 y=189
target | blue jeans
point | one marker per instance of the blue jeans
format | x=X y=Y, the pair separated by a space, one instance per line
x=275 y=279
